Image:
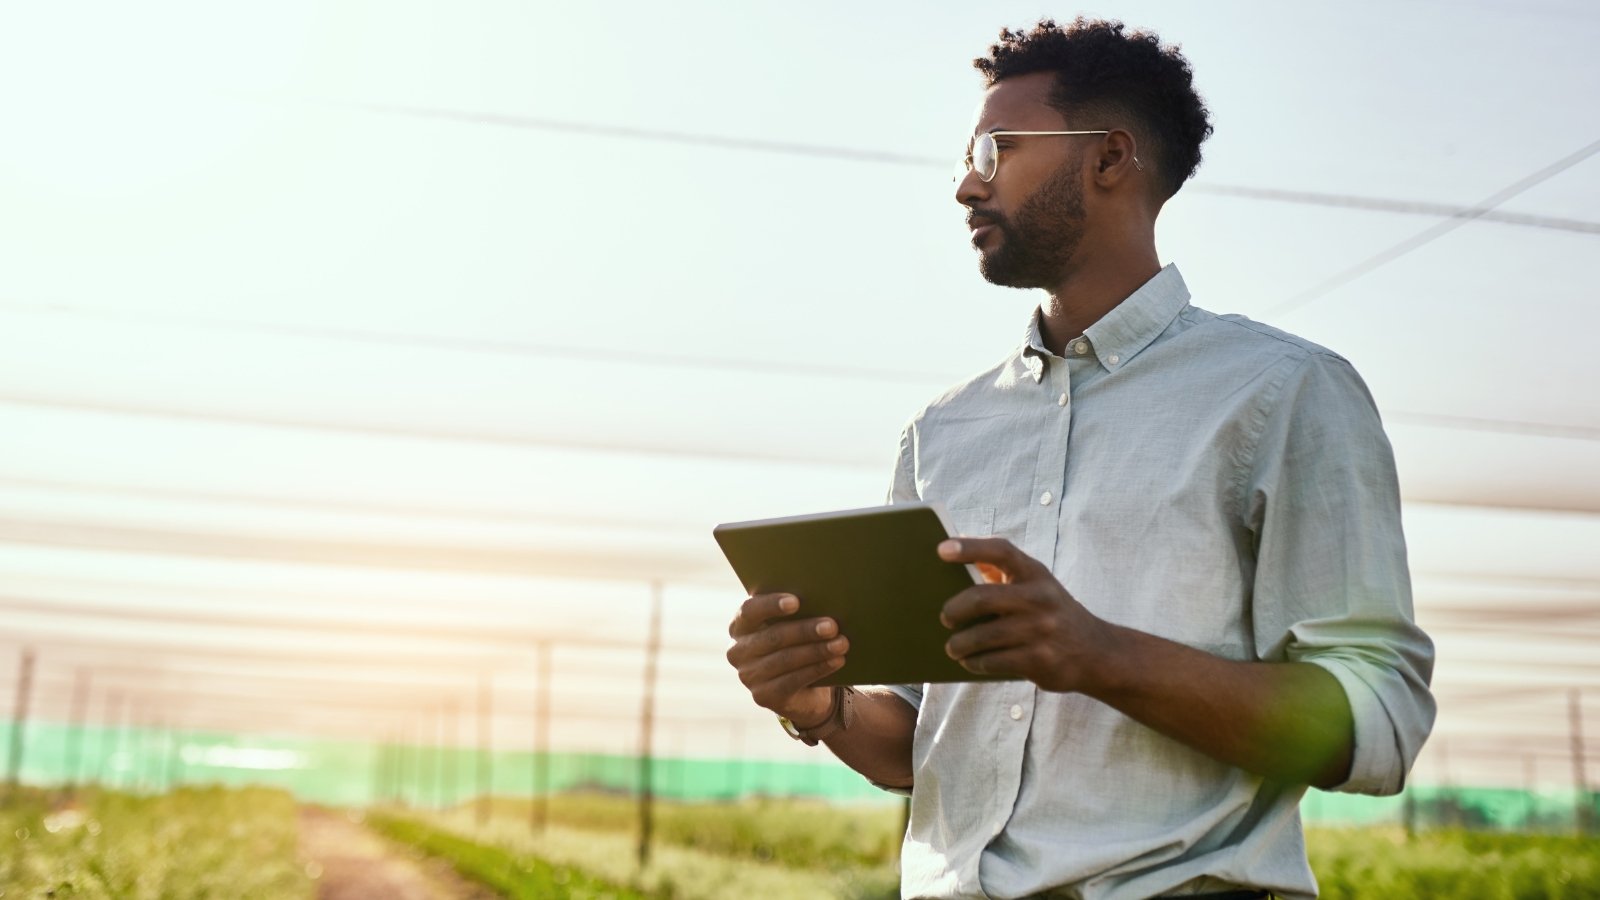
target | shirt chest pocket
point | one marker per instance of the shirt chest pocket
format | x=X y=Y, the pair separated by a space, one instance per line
x=971 y=521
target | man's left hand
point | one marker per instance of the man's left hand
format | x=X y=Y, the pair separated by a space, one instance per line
x=1023 y=623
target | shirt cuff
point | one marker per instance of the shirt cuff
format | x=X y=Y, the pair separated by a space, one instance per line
x=1376 y=764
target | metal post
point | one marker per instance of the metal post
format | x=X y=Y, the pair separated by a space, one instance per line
x=174 y=755
x=19 y=720
x=386 y=759
x=1530 y=781
x=401 y=782
x=377 y=764
x=434 y=781
x=136 y=743
x=736 y=760
x=646 y=721
x=109 y=733
x=449 y=744
x=541 y=742
x=72 y=753
x=485 y=788
x=1579 y=777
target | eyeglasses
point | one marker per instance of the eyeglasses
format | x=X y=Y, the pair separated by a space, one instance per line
x=983 y=156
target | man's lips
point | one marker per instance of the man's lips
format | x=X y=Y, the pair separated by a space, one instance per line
x=980 y=225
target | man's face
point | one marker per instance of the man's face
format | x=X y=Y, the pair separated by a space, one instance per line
x=1029 y=219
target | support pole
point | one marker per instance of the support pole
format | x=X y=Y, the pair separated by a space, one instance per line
x=449 y=745
x=646 y=723
x=402 y=770
x=174 y=755
x=1530 y=781
x=736 y=760
x=377 y=763
x=436 y=758
x=72 y=752
x=19 y=720
x=1580 y=779
x=110 y=736
x=485 y=714
x=541 y=743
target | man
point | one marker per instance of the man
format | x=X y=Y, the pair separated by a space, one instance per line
x=1197 y=573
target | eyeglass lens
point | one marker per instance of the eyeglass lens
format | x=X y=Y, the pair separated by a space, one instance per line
x=985 y=156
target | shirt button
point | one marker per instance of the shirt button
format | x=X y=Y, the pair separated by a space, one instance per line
x=1113 y=359
x=1080 y=347
x=1044 y=499
x=1016 y=712
x=1061 y=400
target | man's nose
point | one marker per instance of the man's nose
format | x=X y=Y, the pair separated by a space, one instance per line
x=970 y=189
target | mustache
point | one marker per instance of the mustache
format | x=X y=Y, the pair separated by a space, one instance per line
x=993 y=216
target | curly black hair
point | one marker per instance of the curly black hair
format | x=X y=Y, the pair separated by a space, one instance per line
x=1107 y=76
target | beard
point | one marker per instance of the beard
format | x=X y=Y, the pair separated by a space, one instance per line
x=1038 y=243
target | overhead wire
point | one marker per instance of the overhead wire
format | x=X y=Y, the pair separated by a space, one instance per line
x=1483 y=212
x=1432 y=233
x=740 y=453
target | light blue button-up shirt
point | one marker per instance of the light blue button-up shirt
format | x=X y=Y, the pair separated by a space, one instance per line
x=1203 y=478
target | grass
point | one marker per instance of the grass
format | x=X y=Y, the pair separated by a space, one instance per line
x=192 y=843
x=678 y=870
x=779 y=849
x=802 y=834
x=518 y=875
x=1381 y=862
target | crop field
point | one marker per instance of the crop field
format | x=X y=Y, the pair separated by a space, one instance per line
x=216 y=843
x=780 y=849
x=191 y=843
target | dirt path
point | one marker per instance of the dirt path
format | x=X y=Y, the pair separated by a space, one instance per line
x=355 y=864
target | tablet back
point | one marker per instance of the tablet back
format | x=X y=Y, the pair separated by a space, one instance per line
x=875 y=571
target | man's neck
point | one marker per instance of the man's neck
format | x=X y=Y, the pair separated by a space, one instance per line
x=1087 y=294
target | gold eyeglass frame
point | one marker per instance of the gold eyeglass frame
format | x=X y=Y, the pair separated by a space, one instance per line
x=966 y=161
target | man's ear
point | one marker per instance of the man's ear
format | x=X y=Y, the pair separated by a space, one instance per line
x=1119 y=158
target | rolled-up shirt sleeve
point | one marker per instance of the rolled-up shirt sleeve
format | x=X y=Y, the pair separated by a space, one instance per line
x=1331 y=585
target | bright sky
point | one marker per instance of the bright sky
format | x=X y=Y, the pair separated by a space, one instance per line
x=308 y=312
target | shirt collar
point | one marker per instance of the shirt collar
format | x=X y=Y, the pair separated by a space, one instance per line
x=1126 y=330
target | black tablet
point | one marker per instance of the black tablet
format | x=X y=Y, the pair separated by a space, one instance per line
x=876 y=571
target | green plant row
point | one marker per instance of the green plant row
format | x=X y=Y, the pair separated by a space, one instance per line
x=1452 y=865
x=516 y=875
x=797 y=833
x=672 y=870
x=192 y=843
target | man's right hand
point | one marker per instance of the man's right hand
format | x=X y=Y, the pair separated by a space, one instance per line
x=779 y=658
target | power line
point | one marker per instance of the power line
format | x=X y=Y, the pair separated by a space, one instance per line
x=744 y=453
x=741 y=453
x=1503 y=426
x=444 y=631
x=1482 y=212
x=494 y=346
x=1432 y=233
x=316 y=504
x=1404 y=207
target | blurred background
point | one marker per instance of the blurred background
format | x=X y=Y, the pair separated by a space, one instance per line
x=372 y=375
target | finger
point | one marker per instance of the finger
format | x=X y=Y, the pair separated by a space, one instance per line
x=1012 y=662
x=775 y=694
x=983 y=601
x=777 y=637
x=778 y=666
x=756 y=611
x=989 y=637
x=997 y=552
